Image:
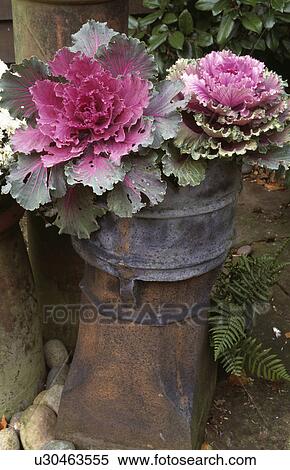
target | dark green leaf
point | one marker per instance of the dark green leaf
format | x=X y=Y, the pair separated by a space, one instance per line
x=286 y=44
x=247 y=42
x=163 y=4
x=272 y=41
x=252 y=3
x=220 y=6
x=269 y=20
x=251 y=42
x=197 y=52
x=140 y=35
x=204 y=39
x=252 y=22
x=151 y=3
x=176 y=40
x=236 y=47
x=149 y=19
x=156 y=41
x=187 y=49
x=133 y=22
x=278 y=5
x=169 y=18
x=159 y=28
x=225 y=29
x=185 y=22
x=205 y=5
x=283 y=17
x=161 y=66
x=260 y=45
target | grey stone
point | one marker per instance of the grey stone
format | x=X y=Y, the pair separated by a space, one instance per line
x=9 y=440
x=57 y=376
x=244 y=250
x=55 y=353
x=37 y=427
x=16 y=421
x=59 y=445
x=50 y=398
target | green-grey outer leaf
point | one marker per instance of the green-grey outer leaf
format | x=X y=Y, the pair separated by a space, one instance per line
x=189 y=172
x=77 y=212
x=15 y=84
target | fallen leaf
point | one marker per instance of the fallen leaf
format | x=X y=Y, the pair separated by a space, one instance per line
x=287 y=335
x=3 y=423
x=239 y=380
x=206 y=446
x=274 y=187
x=260 y=182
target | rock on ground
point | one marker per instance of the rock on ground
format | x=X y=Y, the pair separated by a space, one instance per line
x=50 y=398
x=59 y=445
x=55 y=353
x=37 y=427
x=9 y=440
x=57 y=376
x=244 y=250
x=16 y=421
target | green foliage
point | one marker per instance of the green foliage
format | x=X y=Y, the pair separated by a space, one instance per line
x=190 y=29
x=248 y=280
x=262 y=362
x=228 y=328
x=243 y=289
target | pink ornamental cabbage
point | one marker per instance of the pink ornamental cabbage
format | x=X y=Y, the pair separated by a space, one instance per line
x=235 y=107
x=93 y=112
x=90 y=108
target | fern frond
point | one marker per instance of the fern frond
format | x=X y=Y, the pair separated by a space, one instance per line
x=262 y=362
x=248 y=279
x=244 y=284
x=228 y=328
x=232 y=361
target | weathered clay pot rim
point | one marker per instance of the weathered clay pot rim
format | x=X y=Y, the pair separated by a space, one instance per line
x=10 y=215
x=185 y=236
x=157 y=212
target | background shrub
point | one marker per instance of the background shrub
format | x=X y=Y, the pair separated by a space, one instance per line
x=191 y=28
